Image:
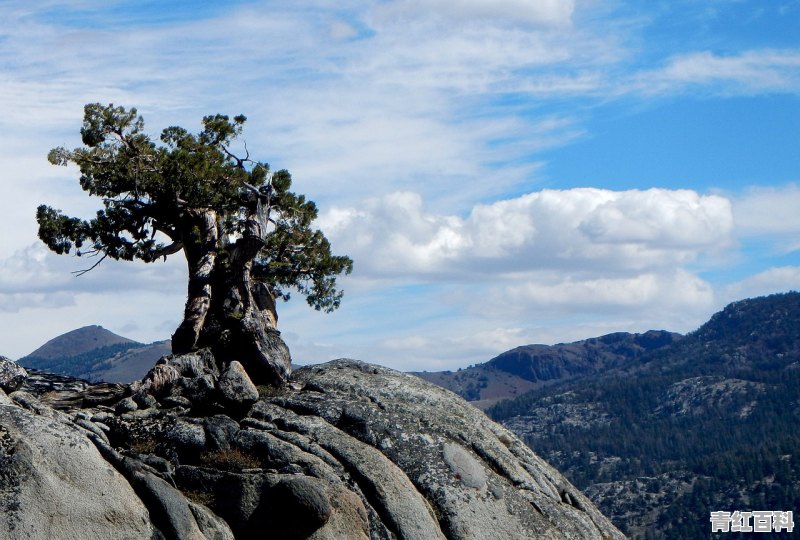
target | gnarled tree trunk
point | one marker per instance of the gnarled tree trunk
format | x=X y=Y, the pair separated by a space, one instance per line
x=201 y=247
x=226 y=310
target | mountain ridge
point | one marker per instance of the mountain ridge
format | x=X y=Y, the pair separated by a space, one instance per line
x=659 y=428
x=705 y=423
x=528 y=367
x=78 y=341
x=96 y=354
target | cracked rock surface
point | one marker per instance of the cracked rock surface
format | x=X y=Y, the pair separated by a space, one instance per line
x=347 y=451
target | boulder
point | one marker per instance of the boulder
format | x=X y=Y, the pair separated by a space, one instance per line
x=12 y=375
x=55 y=484
x=187 y=436
x=220 y=431
x=191 y=376
x=345 y=450
x=474 y=476
x=235 y=385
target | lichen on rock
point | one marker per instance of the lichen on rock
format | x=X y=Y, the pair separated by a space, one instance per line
x=345 y=450
x=12 y=375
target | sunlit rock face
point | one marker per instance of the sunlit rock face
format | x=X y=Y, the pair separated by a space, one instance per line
x=346 y=450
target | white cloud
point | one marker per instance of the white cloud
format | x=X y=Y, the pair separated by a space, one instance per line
x=553 y=265
x=748 y=72
x=784 y=278
x=539 y=12
x=580 y=229
x=41 y=298
x=36 y=269
x=333 y=93
x=447 y=350
x=557 y=293
x=764 y=210
x=24 y=330
x=755 y=67
x=401 y=118
x=16 y=302
x=768 y=216
x=26 y=270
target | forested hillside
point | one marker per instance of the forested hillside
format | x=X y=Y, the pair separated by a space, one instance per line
x=528 y=367
x=709 y=422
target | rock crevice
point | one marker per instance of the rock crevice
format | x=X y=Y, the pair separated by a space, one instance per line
x=346 y=450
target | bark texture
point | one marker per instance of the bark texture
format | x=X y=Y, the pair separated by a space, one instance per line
x=226 y=309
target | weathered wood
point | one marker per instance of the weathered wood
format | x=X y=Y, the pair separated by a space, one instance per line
x=226 y=309
x=201 y=249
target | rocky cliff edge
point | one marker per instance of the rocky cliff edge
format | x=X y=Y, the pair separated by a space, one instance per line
x=347 y=451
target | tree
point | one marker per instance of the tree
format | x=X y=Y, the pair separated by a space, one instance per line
x=247 y=239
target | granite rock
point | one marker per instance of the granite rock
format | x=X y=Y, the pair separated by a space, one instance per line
x=345 y=450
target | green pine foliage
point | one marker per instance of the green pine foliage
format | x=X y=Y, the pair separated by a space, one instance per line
x=150 y=191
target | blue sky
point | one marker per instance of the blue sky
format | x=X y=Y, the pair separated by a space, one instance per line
x=502 y=172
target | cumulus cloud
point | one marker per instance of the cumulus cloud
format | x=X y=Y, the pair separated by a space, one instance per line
x=516 y=270
x=33 y=325
x=580 y=229
x=557 y=293
x=397 y=117
x=40 y=298
x=35 y=267
x=766 y=217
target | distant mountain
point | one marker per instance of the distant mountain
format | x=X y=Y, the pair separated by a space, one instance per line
x=703 y=423
x=533 y=366
x=96 y=354
x=129 y=365
x=77 y=342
